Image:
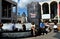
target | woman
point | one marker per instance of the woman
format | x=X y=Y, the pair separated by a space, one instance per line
x=33 y=29
x=55 y=27
x=47 y=27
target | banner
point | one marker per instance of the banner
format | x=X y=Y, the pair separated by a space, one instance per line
x=46 y=16
x=33 y=15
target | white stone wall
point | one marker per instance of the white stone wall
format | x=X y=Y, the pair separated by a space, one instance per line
x=49 y=2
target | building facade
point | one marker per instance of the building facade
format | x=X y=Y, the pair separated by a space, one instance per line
x=34 y=12
x=50 y=10
x=22 y=18
x=6 y=13
x=47 y=10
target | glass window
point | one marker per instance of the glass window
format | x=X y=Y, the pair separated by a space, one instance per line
x=53 y=8
x=45 y=8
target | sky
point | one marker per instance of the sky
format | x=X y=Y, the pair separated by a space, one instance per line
x=22 y=5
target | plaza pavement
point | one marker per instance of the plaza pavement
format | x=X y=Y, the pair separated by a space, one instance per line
x=51 y=35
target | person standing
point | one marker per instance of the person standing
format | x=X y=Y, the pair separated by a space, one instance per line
x=55 y=27
x=42 y=28
x=1 y=25
x=47 y=27
x=24 y=27
x=33 y=29
x=1 y=30
x=13 y=26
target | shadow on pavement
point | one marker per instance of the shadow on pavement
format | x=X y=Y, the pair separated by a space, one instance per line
x=7 y=38
x=57 y=35
x=11 y=38
x=15 y=37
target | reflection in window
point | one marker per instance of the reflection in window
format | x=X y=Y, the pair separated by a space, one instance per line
x=14 y=9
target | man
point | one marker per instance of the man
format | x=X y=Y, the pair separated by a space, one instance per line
x=42 y=28
x=24 y=27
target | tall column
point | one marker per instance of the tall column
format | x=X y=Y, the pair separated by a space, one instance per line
x=49 y=13
x=16 y=13
x=58 y=11
x=11 y=13
x=41 y=12
x=0 y=10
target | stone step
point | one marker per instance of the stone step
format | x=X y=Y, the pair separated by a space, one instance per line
x=16 y=34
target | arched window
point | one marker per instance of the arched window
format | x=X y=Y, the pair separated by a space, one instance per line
x=45 y=8
x=53 y=9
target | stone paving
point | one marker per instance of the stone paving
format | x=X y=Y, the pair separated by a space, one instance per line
x=51 y=35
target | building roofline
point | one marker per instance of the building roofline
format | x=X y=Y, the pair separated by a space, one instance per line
x=12 y=2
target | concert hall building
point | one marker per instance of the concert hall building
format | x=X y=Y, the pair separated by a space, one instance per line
x=49 y=10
